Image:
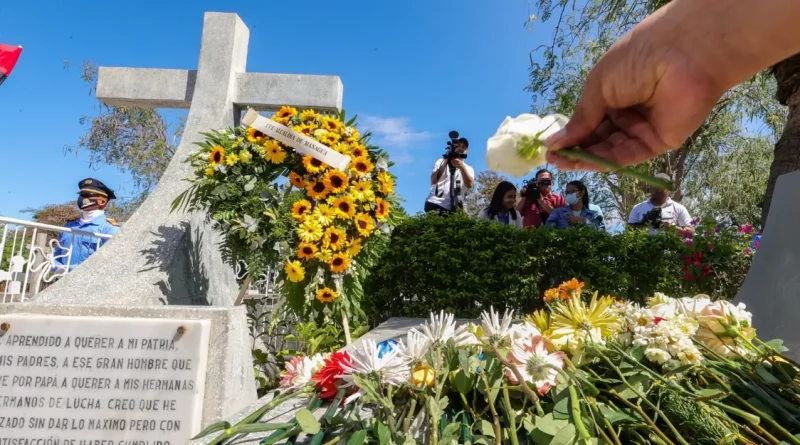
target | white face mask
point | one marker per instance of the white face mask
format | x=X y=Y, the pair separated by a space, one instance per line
x=88 y=215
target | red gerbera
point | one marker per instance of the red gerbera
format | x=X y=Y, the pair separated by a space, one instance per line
x=325 y=380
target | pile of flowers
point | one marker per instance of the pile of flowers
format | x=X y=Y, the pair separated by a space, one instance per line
x=586 y=369
x=321 y=227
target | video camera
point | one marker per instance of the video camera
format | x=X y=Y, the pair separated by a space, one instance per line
x=652 y=218
x=531 y=187
x=450 y=152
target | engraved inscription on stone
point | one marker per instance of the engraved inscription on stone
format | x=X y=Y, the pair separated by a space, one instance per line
x=101 y=380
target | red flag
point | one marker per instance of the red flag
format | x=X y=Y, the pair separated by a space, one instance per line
x=8 y=58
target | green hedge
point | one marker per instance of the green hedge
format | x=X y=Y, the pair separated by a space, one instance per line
x=464 y=265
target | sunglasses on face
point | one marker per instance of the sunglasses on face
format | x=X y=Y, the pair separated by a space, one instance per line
x=545 y=182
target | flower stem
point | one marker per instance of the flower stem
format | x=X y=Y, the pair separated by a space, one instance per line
x=645 y=417
x=495 y=420
x=525 y=389
x=578 y=154
x=407 y=421
x=576 y=413
x=511 y=417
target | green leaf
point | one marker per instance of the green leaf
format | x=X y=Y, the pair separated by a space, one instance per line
x=382 y=433
x=565 y=436
x=357 y=438
x=463 y=382
x=766 y=375
x=308 y=423
x=614 y=415
x=451 y=433
x=640 y=382
x=212 y=428
x=561 y=409
x=549 y=424
x=777 y=345
x=486 y=428
x=540 y=437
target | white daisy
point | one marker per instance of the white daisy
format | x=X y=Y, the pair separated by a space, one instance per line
x=390 y=369
x=535 y=363
x=495 y=331
x=300 y=369
x=439 y=329
x=415 y=348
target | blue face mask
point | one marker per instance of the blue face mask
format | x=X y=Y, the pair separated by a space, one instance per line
x=572 y=198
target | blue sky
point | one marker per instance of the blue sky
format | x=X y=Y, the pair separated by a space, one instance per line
x=412 y=71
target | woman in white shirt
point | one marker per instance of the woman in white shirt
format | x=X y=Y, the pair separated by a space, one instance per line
x=501 y=208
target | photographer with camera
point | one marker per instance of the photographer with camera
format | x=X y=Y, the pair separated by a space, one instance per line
x=660 y=211
x=538 y=201
x=450 y=176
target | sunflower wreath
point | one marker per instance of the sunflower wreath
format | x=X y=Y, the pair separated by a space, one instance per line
x=322 y=229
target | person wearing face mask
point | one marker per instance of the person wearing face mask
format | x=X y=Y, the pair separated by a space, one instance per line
x=501 y=208
x=92 y=200
x=577 y=211
x=538 y=201
x=660 y=212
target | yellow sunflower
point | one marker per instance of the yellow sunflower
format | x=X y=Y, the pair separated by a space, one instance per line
x=364 y=224
x=336 y=181
x=273 y=152
x=300 y=209
x=317 y=189
x=284 y=115
x=328 y=138
x=232 y=159
x=217 y=155
x=296 y=180
x=324 y=255
x=345 y=208
x=309 y=115
x=361 y=166
x=358 y=151
x=306 y=129
x=295 y=271
x=362 y=191
x=387 y=183
x=313 y=165
x=354 y=247
x=324 y=214
x=309 y=231
x=339 y=262
x=326 y=295
x=334 y=238
x=342 y=148
x=332 y=124
x=381 y=208
x=254 y=135
x=306 y=251
x=352 y=135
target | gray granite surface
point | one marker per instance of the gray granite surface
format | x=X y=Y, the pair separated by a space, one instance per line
x=771 y=290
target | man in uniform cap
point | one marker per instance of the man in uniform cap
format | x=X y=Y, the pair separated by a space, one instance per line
x=93 y=198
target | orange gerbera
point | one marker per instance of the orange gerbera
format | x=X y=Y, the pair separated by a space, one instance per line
x=339 y=262
x=313 y=165
x=364 y=224
x=296 y=180
x=217 y=155
x=551 y=294
x=284 y=115
x=361 y=166
x=306 y=251
x=300 y=209
x=381 y=208
x=570 y=289
x=317 y=189
x=326 y=295
x=336 y=181
x=345 y=208
x=334 y=238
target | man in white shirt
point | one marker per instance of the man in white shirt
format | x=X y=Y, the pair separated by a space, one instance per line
x=660 y=211
x=449 y=178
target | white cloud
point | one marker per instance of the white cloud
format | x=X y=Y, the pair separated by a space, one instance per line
x=393 y=131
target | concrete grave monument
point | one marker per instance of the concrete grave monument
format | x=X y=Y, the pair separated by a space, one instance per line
x=161 y=281
x=771 y=290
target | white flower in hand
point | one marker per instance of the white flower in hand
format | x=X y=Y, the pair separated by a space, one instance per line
x=517 y=147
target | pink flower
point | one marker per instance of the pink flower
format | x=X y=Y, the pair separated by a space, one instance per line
x=748 y=251
x=716 y=230
x=688 y=243
x=756 y=244
x=688 y=259
x=711 y=246
x=747 y=228
x=697 y=264
x=535 y=363
x=300 y=369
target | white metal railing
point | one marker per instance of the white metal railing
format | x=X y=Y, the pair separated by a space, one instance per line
x=31 y=256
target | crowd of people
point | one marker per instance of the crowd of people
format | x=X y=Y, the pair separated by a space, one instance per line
x=537 y=204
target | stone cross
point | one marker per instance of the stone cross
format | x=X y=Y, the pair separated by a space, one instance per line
x=771 y=290
x=171 y=258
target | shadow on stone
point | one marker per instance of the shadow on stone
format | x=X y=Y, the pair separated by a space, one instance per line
x=187 y=281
